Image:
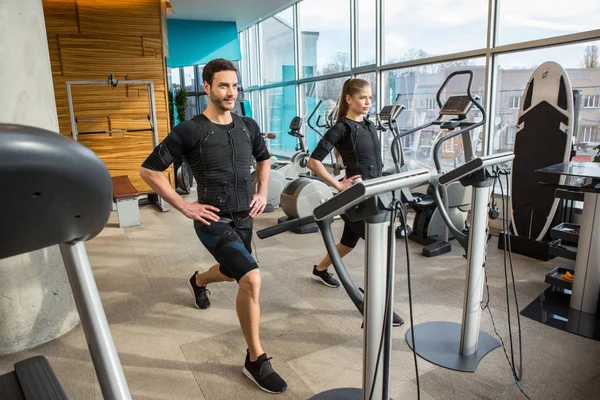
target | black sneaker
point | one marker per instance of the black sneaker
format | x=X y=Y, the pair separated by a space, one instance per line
x=261 y=372
x=200 y=293
x=396 y=320
x=324 y=277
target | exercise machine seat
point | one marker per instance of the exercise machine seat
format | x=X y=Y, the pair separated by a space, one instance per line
x=57 y=191
x=54 y=190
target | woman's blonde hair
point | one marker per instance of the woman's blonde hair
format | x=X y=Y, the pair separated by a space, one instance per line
x=351 y=87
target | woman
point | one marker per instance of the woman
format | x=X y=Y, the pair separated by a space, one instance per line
x=355 y=138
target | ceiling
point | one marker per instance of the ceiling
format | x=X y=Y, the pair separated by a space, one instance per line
x=243 y=12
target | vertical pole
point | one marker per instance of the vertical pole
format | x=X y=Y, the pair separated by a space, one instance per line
x=469 y=335
x=93 y=321
x=375 y=288
x=586 y=285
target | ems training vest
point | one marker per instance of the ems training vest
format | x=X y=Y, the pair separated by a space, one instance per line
x=360 y=150
x=221 y=163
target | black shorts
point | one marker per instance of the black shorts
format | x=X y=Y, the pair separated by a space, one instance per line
x=352 y=232
x=230 y=243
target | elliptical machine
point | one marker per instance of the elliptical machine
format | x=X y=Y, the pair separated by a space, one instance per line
x=282 y=173
x=296 y=166
x=428 y=227
x=448 y=344
x=300 y=197
x=338 y=170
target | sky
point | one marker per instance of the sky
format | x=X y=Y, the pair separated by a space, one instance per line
x=442 y=27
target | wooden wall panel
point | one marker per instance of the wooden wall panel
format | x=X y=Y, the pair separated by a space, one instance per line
x=90 y=39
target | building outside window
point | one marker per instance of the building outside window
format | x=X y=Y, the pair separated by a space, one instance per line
x=420 y=46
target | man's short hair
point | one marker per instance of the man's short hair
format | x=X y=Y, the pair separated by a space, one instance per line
x=214 y=66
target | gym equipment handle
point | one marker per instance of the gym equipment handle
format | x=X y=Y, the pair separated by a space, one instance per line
x=312 y=114
x=467 y=128
x=285 y=226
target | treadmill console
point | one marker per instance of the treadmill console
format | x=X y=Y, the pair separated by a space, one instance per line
x=456 y=105
x=386 y=111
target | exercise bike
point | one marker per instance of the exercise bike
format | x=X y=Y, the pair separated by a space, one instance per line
x=302 y=195
x=428 y=227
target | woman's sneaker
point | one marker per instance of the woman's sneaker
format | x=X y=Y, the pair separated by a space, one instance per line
x=261 y=372
x=200 y=293
x=324 y=277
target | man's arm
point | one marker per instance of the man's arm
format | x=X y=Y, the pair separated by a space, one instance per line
x=183 y=138
x=263 y=172
x=160 y=184
x=260 y=152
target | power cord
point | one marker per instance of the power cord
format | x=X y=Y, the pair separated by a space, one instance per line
x=255 y=251
x=512 y=272
x=517 y=377
x=410 y=304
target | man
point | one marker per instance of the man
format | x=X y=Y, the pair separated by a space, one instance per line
x=218 y=147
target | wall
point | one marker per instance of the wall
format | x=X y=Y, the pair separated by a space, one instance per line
x=36 y=304
x=90 y=39
x=198 y=42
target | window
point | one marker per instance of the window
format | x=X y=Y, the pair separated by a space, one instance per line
x=253 y=56
x=589 y=102
x=175 y=78
x=510 y=135
x=365 y=31
x=277 y=48
x=428 y=104
x=253 y=107
x=328 y=91
x=421 y=29
x=192 y=108
x=189 y=79
x=418 y=87
x=199 y=69
x=256 y=108
x=372 y=79
x=513 y=73
x=245 y=70
x=521 y=21
x=279 y=107
x=588 y=134
x=515 y=102
x=449 y=146
x=324 y=36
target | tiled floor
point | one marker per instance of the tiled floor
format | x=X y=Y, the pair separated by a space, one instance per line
x=171 y=350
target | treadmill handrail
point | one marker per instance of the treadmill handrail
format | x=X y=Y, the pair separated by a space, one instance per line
x=362 y=190
x=475 y=165
x=456 y=174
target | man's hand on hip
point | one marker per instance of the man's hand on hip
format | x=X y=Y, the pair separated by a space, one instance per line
x=201 y=212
